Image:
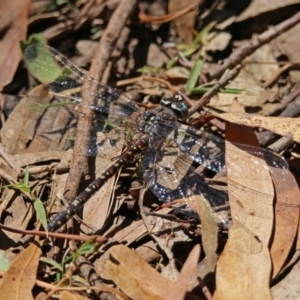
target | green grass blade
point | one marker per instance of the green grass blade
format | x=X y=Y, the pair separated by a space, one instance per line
x=40 y=212
x=193 y=79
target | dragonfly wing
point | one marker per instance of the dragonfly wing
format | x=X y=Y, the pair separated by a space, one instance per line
x=205 y=148
x=53 y=122
x=171 y=176
x=64 y=79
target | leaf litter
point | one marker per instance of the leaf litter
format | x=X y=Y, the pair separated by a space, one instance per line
x=264 y=205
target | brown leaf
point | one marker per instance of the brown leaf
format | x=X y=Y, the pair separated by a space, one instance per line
x=223 y=101
x=288 y=287
x=288 y=127
x=10 y=54
x=65 y=295
x=18 y=215
x=236 y=106
x=131 y=233
x=286 y=218
x=184 y=24
x=188 y=270
x=209 y=230
x=246 y=272
x=20 y=278
x=15 y=135
x=134 y=276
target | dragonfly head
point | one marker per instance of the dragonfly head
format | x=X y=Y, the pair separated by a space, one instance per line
x=177 y=105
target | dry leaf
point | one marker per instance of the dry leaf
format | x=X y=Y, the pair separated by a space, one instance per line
x=134 y=276
x=286 y=218
x=10 y=54
x=288 y=127
x=20 y=278
x=236 y=106
x=18 y=215
x=289 y=286
x=177 y=73
x=261 y=71
x=100 y=206
x=15 y=135
x=246 y=272
x=252 y=89
x=184 y=24
x=71 y=296
x=131 y=233
x=209 y=230
x=188 y=270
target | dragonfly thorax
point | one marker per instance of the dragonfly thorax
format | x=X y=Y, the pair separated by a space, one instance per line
x=147 y=122
x=161 y=121
x=157 y=123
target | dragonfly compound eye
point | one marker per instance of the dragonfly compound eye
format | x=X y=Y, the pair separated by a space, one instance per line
x=177 y=105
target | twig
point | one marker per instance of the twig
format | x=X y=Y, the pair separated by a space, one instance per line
x=166 y=18
x=74 y=237
x=101 y=58
x=237 y=56
x=273 y=78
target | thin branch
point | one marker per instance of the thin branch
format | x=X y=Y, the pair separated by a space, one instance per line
x=241 y=53
x=101 y=59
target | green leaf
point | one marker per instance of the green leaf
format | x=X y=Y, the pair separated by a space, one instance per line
x=86 y=247
x=52 y=262
x=202 y=90
x=26 y=177
x=198 y=39
x=4 y=262
x=40 y=212
x=171 y=62
x=147 y=69
x=80 y=280
x=22 y=187
x=193 y=78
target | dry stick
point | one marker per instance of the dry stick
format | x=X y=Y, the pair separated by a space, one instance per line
x=74 y=237
x=237 y=56
x=166 y=18
x=101 y=58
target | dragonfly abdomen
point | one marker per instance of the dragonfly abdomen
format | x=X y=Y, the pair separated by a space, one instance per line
x=62 y=217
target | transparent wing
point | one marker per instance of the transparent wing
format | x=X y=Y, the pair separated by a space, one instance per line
x=65 y=79
x=53 y=122
x=171 y=175
x=208 y=150
x=43 y=124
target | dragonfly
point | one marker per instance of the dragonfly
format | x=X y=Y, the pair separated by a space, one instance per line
x=170 y=148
